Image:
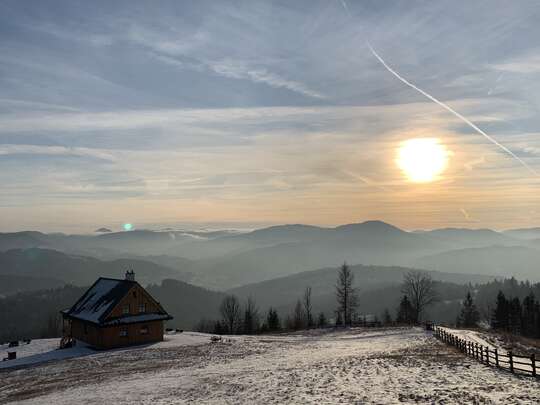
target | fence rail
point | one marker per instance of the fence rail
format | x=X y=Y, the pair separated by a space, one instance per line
x=489 y=356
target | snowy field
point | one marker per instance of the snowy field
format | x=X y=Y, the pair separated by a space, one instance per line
x=354 y=366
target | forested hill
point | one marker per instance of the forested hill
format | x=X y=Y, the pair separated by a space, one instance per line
x=59 y=268
x=35 y=314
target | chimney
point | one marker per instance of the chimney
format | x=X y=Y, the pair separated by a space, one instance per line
x=130 y=275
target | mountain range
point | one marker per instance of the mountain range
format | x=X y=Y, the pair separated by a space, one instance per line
x=223 y=260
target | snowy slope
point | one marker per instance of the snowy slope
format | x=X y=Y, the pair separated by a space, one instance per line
x=357 y=366
x=44 y=350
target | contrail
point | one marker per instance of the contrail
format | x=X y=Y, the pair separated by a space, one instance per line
x=465 y=214
x=344 y=4
x=446 y=107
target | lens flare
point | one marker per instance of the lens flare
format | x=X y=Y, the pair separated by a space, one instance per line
x=128 y=227
x=422 y=159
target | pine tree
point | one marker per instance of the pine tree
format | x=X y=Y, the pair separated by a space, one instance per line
x=529 y=315
x=321 y=321
x=469 y=315
x=219 y=328
x=339 y=318
x=387 y=318
x=272 y=320
x=405 y=314
x=515 y=315
x=500 y=318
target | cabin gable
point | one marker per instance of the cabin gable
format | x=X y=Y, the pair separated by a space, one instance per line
x=136 y=301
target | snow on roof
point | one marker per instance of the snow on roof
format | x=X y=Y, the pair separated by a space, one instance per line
x=137 y=318
x=100 y=299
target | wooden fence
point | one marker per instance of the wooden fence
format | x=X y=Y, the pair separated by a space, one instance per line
x=491 y=356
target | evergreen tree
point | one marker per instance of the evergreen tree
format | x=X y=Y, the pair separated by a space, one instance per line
x=529 y=321
x=405 y=313
x=500 y=318
x=321 y=321
x=219 y=328
x=469 y=315
x=339 y=318
x=515 y=315
x=272 y=320
x=387 y=318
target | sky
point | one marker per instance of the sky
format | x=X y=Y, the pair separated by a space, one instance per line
x=246 y=113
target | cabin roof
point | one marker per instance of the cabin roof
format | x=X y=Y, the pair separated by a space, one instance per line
x=101 y=298
x=137 y=318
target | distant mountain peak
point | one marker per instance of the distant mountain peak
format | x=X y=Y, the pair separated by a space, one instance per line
x=371 y=225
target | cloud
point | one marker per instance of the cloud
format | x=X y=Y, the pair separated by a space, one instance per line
x=240 y=70
x=54 y=151
x=526 y=64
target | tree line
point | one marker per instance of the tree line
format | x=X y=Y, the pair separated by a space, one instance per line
x=519 y=317
x=418 y=289
x=511 y=314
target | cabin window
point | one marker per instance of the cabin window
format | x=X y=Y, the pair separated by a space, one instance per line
x=123 y=332
x=125 y=309
x=144 y=330
x=142 y=308
x=134 y=294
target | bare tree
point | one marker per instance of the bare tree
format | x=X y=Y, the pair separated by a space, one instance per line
x=298 y=316
x=419 y=287
x=230 y=311
x=346 y=294
x=308 y=310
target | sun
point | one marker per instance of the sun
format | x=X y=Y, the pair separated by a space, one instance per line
x=422 y=159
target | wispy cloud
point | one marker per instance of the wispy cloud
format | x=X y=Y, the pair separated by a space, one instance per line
x=54 y=151
x=239 y=70
x=527 y=63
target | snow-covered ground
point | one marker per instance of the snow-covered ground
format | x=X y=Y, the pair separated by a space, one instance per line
x=40 y=351
x=383 y=366
x=492 y=342
x=44 y=350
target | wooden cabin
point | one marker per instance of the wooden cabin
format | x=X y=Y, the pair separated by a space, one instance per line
x=115 y=313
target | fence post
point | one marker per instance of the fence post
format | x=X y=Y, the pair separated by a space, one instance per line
x=487 y=355
x=496 y=357
x=481 y=354
x=533 y=363
x=476 y=351
x=511 y=361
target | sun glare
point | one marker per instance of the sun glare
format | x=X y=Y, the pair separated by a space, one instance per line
x=422 y=159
